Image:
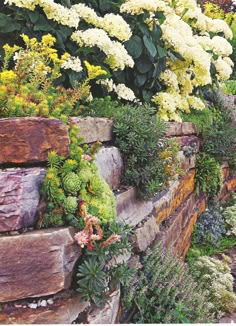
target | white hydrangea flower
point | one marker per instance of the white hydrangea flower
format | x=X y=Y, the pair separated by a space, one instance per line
x=123 y=92
x=117 y=56
x=224 y=70
x=73 y=63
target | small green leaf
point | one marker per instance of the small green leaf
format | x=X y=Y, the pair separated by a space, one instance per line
x=134 y=46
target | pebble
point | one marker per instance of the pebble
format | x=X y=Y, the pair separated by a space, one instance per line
x=17 y=305
x=14 y=233
x=50 y=301
x=33 y=305
x=43 y=303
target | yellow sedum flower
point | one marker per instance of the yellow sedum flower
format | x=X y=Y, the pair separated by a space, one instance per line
x=94 y=71
x=8 y=76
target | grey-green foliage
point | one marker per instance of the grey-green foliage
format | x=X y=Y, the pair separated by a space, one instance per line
x=139 y=136
x=210 y=227
x=165 y=292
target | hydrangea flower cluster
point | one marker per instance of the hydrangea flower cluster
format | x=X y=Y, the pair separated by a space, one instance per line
x=109 y=25
x=187 y=31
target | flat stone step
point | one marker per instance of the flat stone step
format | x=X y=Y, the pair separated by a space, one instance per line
x=37 y=263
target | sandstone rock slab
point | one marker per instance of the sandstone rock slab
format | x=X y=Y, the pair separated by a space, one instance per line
x=28 y=140
x=93 y=129
x=19 y=197
x=37 y=263
x=175 y=195
x=108 y=314
x=180 y=129
x=110 y=165
x=146 y=234
x=130 y=209
x=65 y=309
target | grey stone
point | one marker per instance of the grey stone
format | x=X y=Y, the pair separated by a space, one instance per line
x=130 y=209
x=19 y=197
x=110 y=165
x=146 y=234
x=108 y=314
x=64 y=310
x=93 y=129
x=37 y=263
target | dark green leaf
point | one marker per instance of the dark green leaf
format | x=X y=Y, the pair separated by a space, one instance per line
x=7 y=24
x=150 y=46
x=134 y=46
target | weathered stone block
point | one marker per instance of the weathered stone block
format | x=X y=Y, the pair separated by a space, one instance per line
x=93 y=129
x=174 y=197
x=19 y=197
x=36 y=263
x=192 y=141
x=146 y=234
x=179 y=219
x=28 y=140
x=186 y=163
x=180 y=248
x=180 y=129
x=110 y=165
x=231 y=184
x=65 y=309
x=130 y=209
x=108 y=314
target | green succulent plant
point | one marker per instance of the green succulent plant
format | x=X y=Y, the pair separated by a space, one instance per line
x=70 y=205
x=72 y=183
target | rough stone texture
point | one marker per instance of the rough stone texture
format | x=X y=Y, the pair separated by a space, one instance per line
x=231 y=184
x=19 y=197
x=192 y=141
x=110 y=165
x=30 y=139
x=176 y=194
x=130 y=209
x=186 y=163
x=146 y=234
x=183 y=242
x=230 y=319
x=108 y=314
x=93 y=129
x=177 y=221
x=36 y=263
x=180 y=129
x=66 y=308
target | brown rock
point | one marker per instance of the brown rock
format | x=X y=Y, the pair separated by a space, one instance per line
x=36 y=263
x=180 y=248
x=19 y=197
x=93 y=129
x=180 y=129
x=186 y=163
x=108 y=314
x=65 y=309
x=146 y=234
x=176 y=223
x=130 y=209
x=231 y=184
x=176 y=194
x=110 y=165
x=30 y=139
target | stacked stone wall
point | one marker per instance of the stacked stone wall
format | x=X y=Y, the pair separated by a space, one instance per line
x=37 y=266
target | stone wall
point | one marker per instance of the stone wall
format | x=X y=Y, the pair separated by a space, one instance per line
x=36 y=266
